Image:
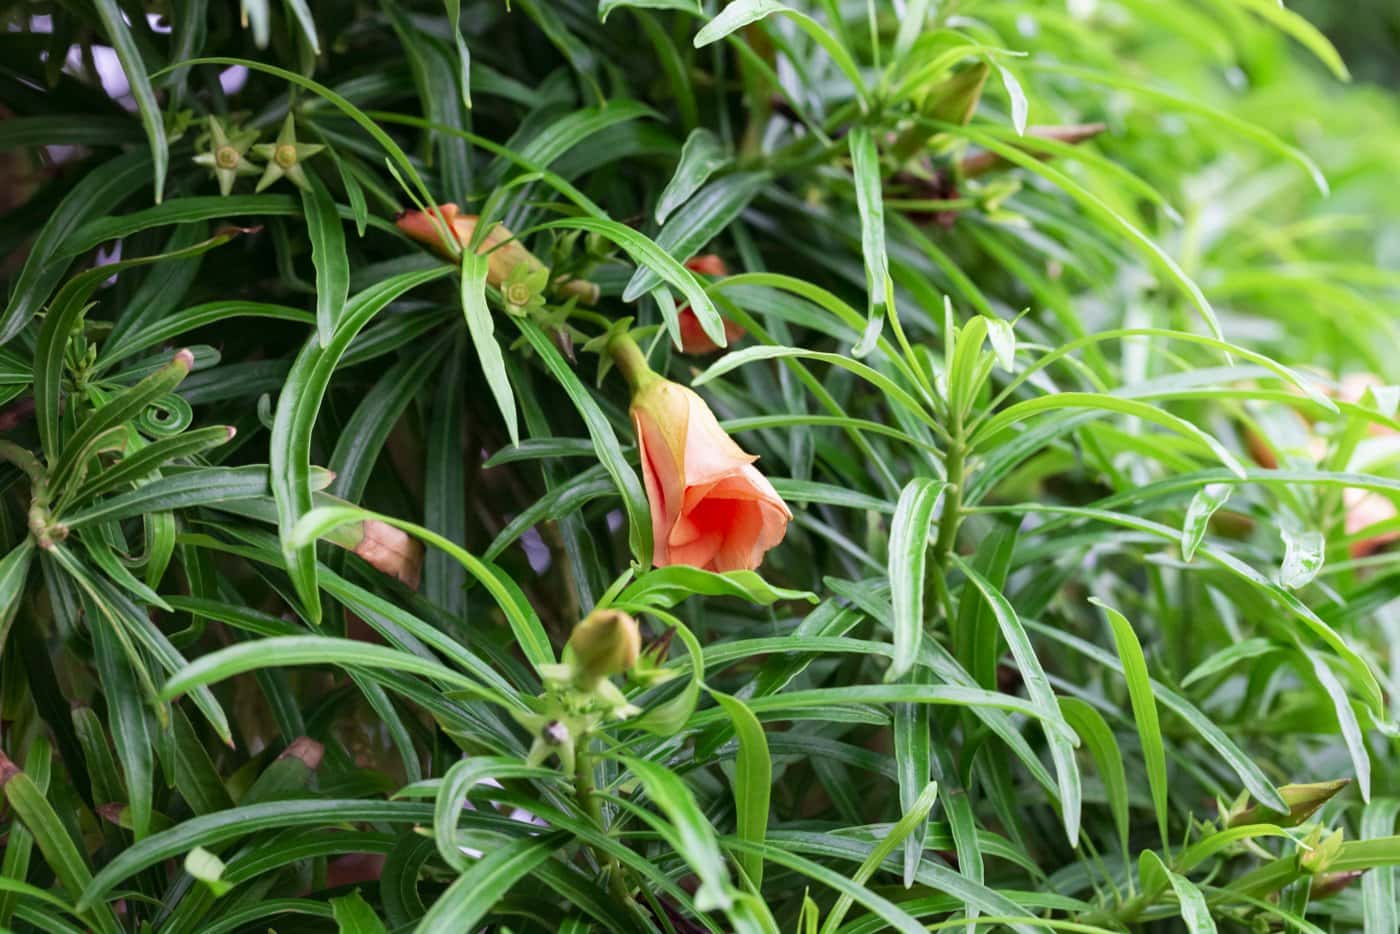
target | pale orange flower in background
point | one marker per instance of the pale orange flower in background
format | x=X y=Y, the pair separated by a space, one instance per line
x=710 y=507
x=694 y=340
x=1362 y=508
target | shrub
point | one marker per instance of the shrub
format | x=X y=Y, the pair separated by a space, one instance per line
x=379 y=518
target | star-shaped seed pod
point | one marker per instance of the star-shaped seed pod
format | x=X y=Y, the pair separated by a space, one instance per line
x=285 y=156
x=523 y=290
x=227 y=155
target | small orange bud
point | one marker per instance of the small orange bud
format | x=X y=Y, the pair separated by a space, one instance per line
x=504 y=253
x=392 y=551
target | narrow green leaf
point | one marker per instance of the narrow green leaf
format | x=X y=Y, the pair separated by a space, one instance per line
x=477 y=890
x=293 y=651
x=524 y=623
x=738 y=358
x=481 y=327
x=114 y=24
x=910 y=533
x=865 y=170
x=1144 y=710
x=701 y=219
x=912 y=818
x=914 y=765
x=701 y=156
x=1352 y=734
x=741 y=13
x=297 y=410
x=753 y=780
x=141 y=464
x=668 y=586
x=302 y=12
x=32 y=807
x=688 y=830
x=685 y=6
x=452 y=795
x=1227 y=657
x=1094 y=731
x=327 y=236
x=209 y=829
x=647 y=253
x=19 y=846
x=605 y=443
x=131 y=732
x=1194 y=910
x=354 y=915
x=178 y=489
x=99 y=192
x=1204 y=504
x=14 y=571
x=1304 y=32
x=1042 y=696
x=1378 y=885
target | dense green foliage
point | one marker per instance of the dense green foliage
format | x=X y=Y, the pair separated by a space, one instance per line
x=1054 y=315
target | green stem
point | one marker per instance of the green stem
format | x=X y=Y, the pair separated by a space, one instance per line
x=588 y=801
x=951 y=518
x=21 y=458
x=631 y=361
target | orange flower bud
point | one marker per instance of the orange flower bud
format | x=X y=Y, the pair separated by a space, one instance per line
x=504 y=253
x=694 y=340
x=710 y=507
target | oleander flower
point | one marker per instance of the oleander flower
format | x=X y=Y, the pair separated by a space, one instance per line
x=710 y=507
x=694 y=340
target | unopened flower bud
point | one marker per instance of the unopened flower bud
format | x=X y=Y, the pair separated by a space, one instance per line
x=955 y=99
x=606 y=643
x=1319 y=851
x=392 y=551
x=1302 y=800
x=504 y=254
x=1330 y=884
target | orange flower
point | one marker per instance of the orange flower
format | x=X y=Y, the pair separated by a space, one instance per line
x=693 y=339
x=504 y=253
x=710 y=507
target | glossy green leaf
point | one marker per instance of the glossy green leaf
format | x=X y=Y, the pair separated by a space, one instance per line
x=911 y=533
x=1144 y=710
x=327 y=254
x=481 y=327
x=753 y=780
x=119 y=34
